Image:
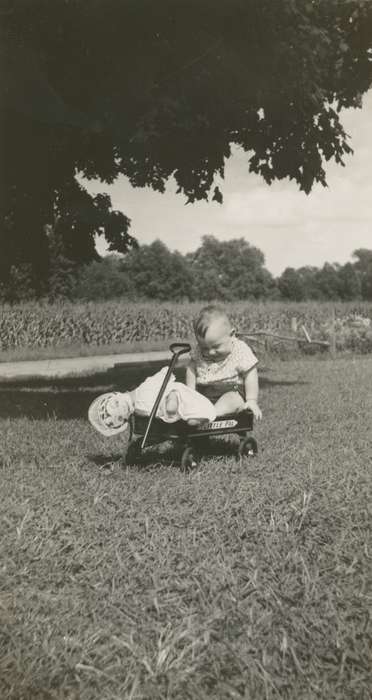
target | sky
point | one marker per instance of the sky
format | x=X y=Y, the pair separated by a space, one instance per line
x=291 y=228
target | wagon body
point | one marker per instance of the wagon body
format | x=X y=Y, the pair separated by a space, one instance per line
x=191 y=441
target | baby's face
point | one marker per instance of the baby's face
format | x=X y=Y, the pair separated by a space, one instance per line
x=217 y=343
x=118 y=407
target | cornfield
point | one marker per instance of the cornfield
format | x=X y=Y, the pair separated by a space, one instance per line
x=44 y=325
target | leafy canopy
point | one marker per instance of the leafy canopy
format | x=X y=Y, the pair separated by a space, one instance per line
x=332 y=281
x=159 y=89
x=229 y=270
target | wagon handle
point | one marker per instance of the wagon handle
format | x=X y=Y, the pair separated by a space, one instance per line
x=182 y=348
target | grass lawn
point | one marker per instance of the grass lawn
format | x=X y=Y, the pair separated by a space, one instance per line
x=250 y=580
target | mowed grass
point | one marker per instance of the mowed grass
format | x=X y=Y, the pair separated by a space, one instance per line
x=238 y=580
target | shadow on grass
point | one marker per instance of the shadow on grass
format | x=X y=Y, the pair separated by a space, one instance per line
x=168 y=453
x=150 y=460
x=68 y=399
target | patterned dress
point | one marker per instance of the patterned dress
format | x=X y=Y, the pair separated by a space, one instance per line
x=215 y=378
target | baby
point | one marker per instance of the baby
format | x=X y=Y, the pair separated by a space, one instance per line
x=222 y=367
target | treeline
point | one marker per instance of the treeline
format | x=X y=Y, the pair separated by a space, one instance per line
x=224 y=270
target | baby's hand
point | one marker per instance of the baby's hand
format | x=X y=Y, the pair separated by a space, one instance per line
x=254 y=407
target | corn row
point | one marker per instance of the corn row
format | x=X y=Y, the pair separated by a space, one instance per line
x=42 y=325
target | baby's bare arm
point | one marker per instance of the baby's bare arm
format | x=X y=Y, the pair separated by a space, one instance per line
x=251 y=392
x=251 y=385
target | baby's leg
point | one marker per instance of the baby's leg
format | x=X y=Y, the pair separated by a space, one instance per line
x=231 y=402
x=171 y=403
x=171 y=407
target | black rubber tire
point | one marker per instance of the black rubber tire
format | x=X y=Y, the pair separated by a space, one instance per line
x=133 y=454
x=188 y=460
x=248 y=447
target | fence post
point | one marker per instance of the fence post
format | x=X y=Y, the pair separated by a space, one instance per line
x=294 y=324
x=304 y=330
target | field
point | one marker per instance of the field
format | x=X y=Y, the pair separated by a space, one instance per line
x=238 y=580
x=32 y=331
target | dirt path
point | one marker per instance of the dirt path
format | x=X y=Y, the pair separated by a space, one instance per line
x=77 y=366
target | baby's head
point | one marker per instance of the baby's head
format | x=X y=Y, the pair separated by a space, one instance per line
x=110 y=413
x=213 y=332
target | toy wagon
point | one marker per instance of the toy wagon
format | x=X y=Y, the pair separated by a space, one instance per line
x=192 y=441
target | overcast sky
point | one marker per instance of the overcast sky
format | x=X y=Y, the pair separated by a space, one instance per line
x=291 y=228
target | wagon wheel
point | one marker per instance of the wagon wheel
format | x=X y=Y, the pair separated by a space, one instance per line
x=133 y=454
x=248 y=447
x=188 y=460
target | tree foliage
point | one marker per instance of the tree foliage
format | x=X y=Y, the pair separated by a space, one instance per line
x=350 y=286
x=159 y=89
x=363 y=267
x=291 y=285
x=348 y=282
x=103 y=279
x=229 y=270
x=218 y=270
x=158 y=273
